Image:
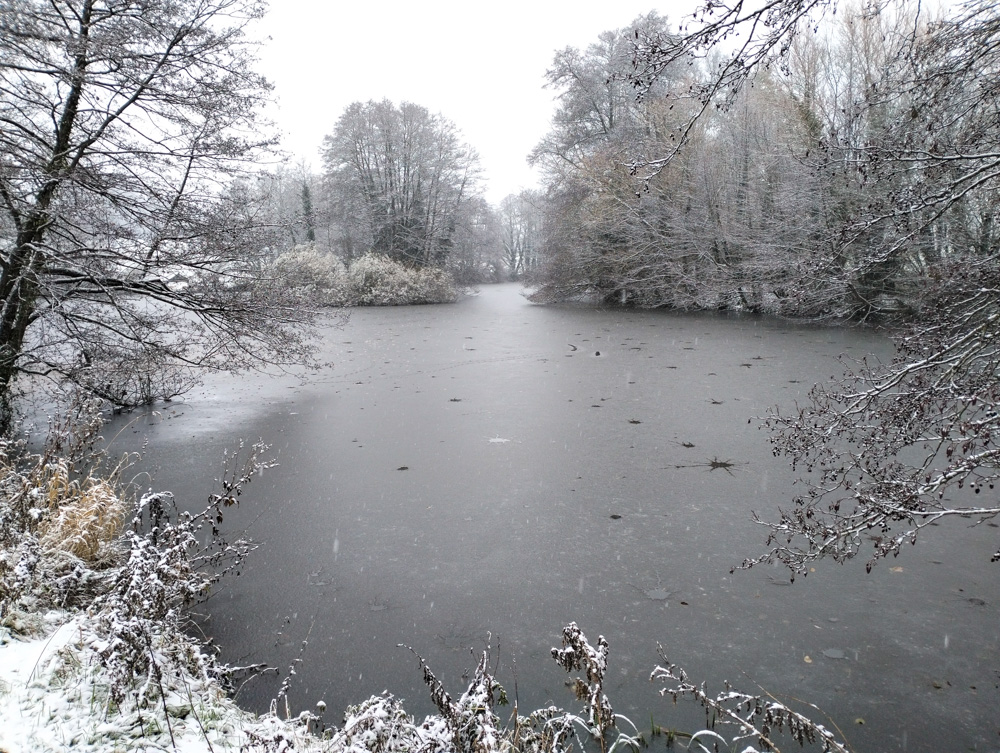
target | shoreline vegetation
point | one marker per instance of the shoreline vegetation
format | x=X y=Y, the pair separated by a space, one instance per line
x=96 y=652
x=374 y=279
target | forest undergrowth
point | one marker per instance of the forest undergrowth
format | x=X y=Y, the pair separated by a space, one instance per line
x=97 y=650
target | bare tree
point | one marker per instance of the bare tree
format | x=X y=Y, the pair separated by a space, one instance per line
x=894 y=448
x=412 y=173
x=123 y=125
x=756 y=37
x=721 y=225
x=520 y=232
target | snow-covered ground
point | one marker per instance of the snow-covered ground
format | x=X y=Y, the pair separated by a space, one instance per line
x=53 y=698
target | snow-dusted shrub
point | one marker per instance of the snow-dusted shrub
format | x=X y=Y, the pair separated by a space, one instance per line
x=436 y=285
x=320 y=277
x=61 y=545
x=173 y=560
x=547 y=730
x=471 y=725
x=379 y=725
x=377 y=280
x=60 y=516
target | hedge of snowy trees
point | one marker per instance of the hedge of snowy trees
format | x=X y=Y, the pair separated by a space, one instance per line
x=887 y=126
x=829 y=174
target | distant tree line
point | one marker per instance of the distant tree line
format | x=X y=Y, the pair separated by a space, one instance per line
x=397 y=181
x=829 y=180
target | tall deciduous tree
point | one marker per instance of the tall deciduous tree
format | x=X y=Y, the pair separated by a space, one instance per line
x=519 y=220
x=122 y=125
x=412 y=173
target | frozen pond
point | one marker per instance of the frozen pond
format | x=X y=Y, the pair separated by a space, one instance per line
x=497 y=468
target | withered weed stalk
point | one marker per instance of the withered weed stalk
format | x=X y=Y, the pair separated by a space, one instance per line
x=471 y=724
x=577 y=654
x=754 y=719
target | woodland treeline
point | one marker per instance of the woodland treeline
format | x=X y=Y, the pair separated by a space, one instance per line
x=837 y=165
x=814 y=190
x=398 y=181
x=784 y=198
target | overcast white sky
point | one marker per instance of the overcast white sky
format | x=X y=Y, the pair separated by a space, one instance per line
x=480 y=64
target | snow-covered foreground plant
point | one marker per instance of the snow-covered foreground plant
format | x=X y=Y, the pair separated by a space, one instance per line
x=103 y=661
x=752 y=718
x=173 y=559
x=60 y=517
x=471 y=724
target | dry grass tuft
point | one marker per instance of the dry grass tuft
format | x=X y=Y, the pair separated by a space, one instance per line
x=84 y=516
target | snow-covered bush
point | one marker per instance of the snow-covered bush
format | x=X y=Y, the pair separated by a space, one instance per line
x=173 y=560
x=60 y=517
x=379 y=725
x=436 y=286
x=61 y=546
x=320 y=277
x=108 y=665
x=377 y=280
x=370 y=280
